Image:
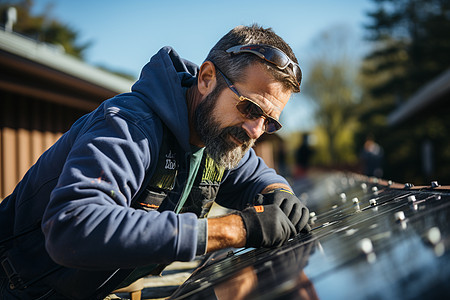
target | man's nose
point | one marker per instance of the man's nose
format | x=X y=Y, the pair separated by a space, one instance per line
x=254 y=128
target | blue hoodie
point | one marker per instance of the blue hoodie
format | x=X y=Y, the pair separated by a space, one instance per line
x=81 y=189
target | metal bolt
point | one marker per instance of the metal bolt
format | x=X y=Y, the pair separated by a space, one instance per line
x=365 y=245
x=374 y=189
x=312 y=218
x=390 y=182
x=364 y=186
x=434 y=184
x=373 y=202
x=411 y=198
x=408 y=185
x=399 y=216
x=433 y=235
x=355 y=200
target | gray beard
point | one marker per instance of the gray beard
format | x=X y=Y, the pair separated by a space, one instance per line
x=223 y=150
x=218 y=144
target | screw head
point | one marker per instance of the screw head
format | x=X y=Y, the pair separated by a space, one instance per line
x=433 y=235
x=399 y=216
x=365 y=245
x=411 y=198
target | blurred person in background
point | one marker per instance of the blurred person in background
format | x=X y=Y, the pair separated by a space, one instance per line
x=303 y=156
x=372 y=158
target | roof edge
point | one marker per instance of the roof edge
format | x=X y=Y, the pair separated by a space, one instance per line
x=53 y=57
x=426 y=95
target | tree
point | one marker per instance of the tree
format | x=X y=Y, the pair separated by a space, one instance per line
x=44 y=28
x=412 y=44
x=331 y=82
x=411 y=47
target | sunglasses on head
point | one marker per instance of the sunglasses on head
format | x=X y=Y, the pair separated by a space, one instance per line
x=272 y=55
x=250 y=109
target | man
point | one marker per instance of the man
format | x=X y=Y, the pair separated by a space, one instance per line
x=127 y=188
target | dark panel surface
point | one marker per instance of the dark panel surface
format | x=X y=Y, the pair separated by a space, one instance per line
x=370 y=240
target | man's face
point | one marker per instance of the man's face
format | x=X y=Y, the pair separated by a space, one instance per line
x=228 y=134
x=218 y=145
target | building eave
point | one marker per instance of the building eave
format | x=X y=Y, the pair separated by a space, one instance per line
x=54 y=58
x=426 y=96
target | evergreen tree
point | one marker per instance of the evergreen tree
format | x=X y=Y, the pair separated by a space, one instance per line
x=411 y=47
x=412 y=44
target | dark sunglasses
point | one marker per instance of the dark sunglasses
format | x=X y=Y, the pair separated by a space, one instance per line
x=272 y=55
x=250 y=109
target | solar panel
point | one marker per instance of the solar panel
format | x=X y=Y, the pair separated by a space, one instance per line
x=370 y=239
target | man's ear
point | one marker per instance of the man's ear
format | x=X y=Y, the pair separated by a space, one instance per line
x=206 y=79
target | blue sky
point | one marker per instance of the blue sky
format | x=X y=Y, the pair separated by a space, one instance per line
x=125 y=34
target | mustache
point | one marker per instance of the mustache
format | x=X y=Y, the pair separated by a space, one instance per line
x=238 y=133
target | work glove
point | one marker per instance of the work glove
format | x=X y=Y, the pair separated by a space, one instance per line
x=266 y=226
x=294 y=209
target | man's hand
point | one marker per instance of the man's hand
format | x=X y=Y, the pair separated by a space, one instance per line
x=282 y=216
x=266 y=226
x=296 y=211
x=225 y=232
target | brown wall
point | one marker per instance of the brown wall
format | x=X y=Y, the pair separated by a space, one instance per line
x=28 y=126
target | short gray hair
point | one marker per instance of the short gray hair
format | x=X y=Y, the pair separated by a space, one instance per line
x=234 y=65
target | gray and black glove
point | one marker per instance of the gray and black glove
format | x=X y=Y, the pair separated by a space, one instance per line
x=296 y=211
x=266 y=226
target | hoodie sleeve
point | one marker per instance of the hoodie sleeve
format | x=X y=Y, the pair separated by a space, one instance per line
x=88 y=222
x=249 y=178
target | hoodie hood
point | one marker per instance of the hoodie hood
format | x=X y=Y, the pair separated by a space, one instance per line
x=162 y=86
